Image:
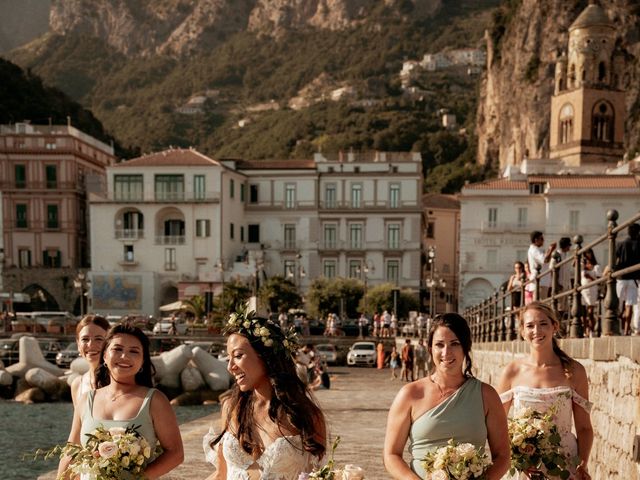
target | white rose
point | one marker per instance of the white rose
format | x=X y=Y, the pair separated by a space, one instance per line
x=264 y=332
x=117 y=431
x=466 y=450
x=134 y=449
x=517 y=439
x=125 y=461
x=439 y=475
x=439 y=463
x=107 y=449
x=246 y=324
x=268 y=342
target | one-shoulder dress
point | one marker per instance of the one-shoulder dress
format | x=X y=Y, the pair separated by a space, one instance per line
x=459 y=417
x=541 y=399
x=284 y=459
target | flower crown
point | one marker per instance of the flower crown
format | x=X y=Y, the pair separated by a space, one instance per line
x=245 y=322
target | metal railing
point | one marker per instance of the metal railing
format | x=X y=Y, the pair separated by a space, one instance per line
x=495 y=319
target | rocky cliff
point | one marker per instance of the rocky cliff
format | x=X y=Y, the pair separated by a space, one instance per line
x=515 y=94
x=176 y=27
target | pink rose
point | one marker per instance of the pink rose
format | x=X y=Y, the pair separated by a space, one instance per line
x=107 y=449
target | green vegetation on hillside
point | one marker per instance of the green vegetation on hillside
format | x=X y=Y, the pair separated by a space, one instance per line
x=136 y=98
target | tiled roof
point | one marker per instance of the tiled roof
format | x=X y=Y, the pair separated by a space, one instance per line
x=498 y=184
x=275 y=164
x=437 y=200
x=587 y=181
x=171 y=157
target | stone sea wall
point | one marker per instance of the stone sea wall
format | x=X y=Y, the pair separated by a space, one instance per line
x=613 y=366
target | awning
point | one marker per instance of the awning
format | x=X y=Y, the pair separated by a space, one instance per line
x=172 y=307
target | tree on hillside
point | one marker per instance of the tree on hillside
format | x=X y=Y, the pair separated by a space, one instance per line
x=279 y=294
x=381 y=297
x=335 y=295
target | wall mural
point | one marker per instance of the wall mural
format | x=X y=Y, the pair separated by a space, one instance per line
x=116 y=292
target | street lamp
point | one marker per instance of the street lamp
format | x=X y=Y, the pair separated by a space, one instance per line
x=364 y=271
x=431 y=255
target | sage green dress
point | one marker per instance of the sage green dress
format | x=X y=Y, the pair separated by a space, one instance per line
x=459 y=417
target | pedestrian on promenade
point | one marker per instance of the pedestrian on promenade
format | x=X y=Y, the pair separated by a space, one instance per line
x=406 y=373
x=271 y=427
x=124 y=381
x=590 y=272
x=380 y=354
x=549 y=378
x=627 y=255
x=514 y=287
x=538 y=258
x=91 y=332
x=449 y=404
x=420 y=359
x=394 y=362
x=394 y=325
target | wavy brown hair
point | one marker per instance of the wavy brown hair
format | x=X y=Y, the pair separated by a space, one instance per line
x=291 y=402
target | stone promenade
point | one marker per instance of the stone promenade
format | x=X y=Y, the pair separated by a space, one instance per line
x=356 y=407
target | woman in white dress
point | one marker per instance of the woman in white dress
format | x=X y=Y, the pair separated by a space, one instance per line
x=271 y=428
x=549 y=377
x=91 y=332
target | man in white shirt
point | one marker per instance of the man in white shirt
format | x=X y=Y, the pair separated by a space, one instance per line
x=536 y=256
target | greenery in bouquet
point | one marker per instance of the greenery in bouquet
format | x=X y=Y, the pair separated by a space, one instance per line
x=535 y=444
x=456 y=462
x=329 y=472
x=109 y=454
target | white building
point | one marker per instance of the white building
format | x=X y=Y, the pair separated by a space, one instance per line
x=177 y=223
x=497 y=217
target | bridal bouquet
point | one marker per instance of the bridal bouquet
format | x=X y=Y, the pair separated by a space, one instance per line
x=455 y=461
x=535 y=444
x=109 y=454
x=328 y=472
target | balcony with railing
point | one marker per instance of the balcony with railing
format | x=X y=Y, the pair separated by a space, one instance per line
x=129 y=234
x=159 y=197
x=365 y=205
x=170 y=240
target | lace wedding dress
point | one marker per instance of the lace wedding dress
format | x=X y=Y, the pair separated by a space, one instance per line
x=541 y=399
x=283 y=459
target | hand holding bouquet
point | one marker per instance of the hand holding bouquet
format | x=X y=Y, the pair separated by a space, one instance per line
x=109 y=454
x=328 y=472
x=455 y=461
x=535 y=444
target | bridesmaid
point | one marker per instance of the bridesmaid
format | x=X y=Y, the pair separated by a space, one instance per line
x=450 y=403
x=90 y=334
x=549 y=377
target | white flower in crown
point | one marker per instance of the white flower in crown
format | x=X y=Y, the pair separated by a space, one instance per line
x=246 y=324
x=267 y=342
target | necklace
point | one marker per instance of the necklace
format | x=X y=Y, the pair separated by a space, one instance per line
x=116 y=396
x=444 y=393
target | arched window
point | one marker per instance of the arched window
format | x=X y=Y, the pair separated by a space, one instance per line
x=566 y=124
x=602 y=72
x=602 y=118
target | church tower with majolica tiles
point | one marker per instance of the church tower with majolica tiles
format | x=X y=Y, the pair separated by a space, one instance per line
x=588 y=105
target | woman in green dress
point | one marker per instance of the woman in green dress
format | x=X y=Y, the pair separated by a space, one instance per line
x=450 y=403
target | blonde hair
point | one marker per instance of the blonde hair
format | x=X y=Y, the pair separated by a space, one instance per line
x=551 y=314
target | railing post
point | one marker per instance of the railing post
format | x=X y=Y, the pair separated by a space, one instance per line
x=497 y=318
x=611 y=322
x=575 y=329
x=503 y=315
x=555 y=283
x=485 y=322
x=536 y=291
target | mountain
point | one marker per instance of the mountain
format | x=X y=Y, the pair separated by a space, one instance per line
x=523 y=44
x=23 y=96
x=21 y=21
x=270 y=78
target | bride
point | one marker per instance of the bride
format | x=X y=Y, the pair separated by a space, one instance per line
x=272 y=430
x=549 y=377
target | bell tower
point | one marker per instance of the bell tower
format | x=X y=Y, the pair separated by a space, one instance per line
x=587 y=108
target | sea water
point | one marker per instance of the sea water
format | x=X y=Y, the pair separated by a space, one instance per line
x=26 y=428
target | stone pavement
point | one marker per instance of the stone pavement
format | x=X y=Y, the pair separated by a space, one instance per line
x=356 y=407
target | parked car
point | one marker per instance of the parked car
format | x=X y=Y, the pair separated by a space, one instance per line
x=362 y=353
x=9 y=351
x=164 y=324
x=328 y=351
x=67 y=355
x=50 y=348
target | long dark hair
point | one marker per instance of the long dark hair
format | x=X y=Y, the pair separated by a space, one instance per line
x=459 y=326
x=291 y=400
x=550 y=313
x=145 y=376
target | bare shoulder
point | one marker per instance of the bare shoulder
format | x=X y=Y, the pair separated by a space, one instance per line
x=489 y=394
x=578 y=374
x=410 y=393
x=508 y=375
x=160 y=401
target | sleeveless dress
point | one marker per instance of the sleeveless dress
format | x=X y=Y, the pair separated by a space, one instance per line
x=143 y=419
x=541 y=399
x=459 y=417
x=283 y=459
x=85 y=384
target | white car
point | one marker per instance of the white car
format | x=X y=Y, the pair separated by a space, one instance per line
x=362 y=353
x=164 y=324
x=327 y=351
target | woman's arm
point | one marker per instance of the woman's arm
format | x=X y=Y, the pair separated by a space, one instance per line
x=505 y=383
x=167 y=432
x=510 y=284
x=582 y=419
x=74 y=436
x=75 y=390
x=497 y=433
x=398 y=425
